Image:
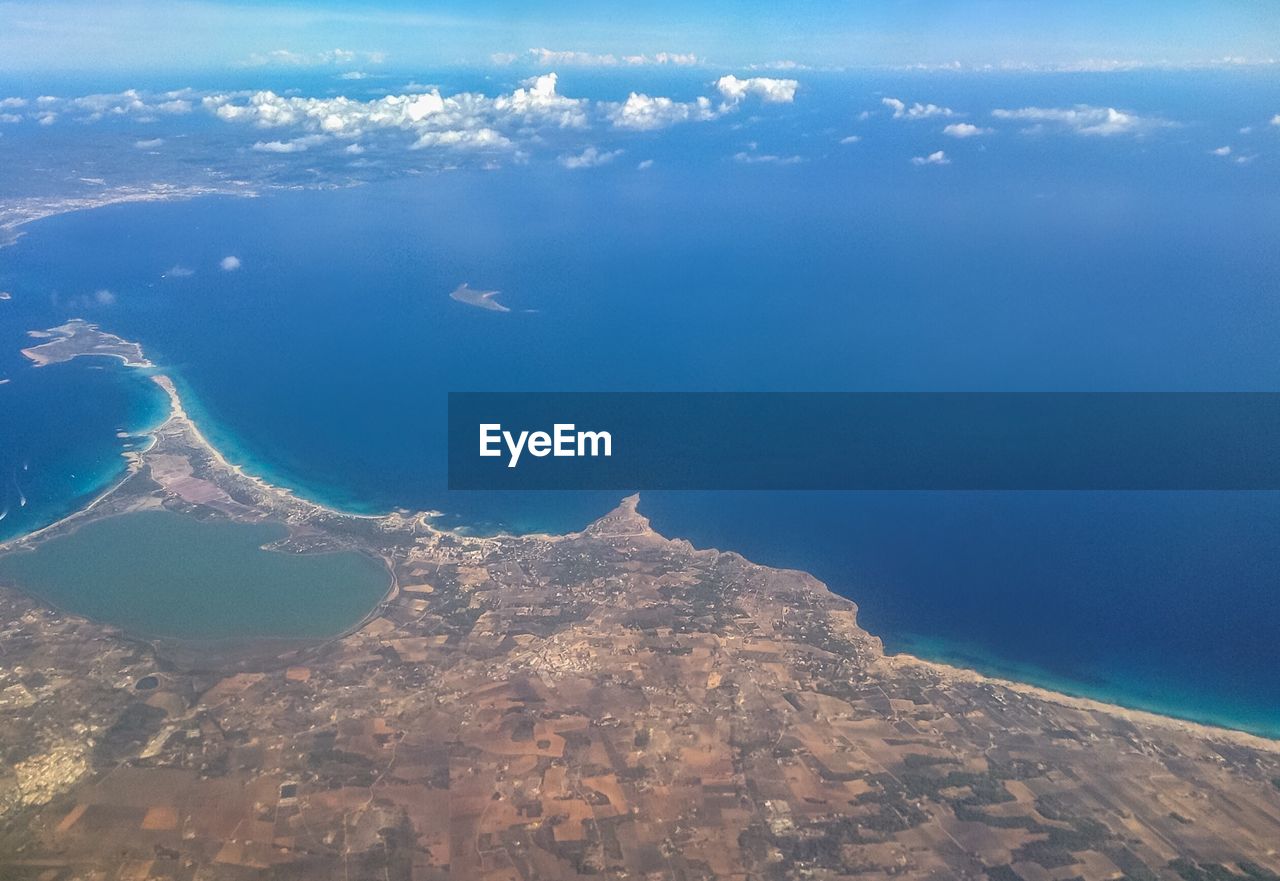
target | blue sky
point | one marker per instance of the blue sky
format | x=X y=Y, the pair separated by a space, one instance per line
x=159 y=34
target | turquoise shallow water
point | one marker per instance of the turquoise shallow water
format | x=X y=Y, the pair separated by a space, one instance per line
x=161 y=574
x=1151 y=690
x=63 y=430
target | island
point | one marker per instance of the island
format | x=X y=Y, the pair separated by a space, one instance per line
x=610 y=703
x=78 y=337
x=480 y=299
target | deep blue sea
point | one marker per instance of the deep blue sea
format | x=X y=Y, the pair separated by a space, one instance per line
x=1046 y=264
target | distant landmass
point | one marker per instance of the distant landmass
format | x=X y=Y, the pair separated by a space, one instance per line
x=480 y=299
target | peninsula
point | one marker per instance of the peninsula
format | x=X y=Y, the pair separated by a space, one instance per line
x=608 y=703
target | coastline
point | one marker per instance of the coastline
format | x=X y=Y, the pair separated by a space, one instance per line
x=945 y=653
x=229 y=453
x=179 y=419
x=949 y=673
x=179 y=414
x=15 y=216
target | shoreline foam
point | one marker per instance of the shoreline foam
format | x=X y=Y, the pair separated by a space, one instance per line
x=939 y=651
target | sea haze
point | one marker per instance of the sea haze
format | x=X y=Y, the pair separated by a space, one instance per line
x=1031 y=260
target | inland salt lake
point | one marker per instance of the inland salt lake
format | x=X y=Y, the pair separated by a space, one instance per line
x=161 y=574
x=323 y=363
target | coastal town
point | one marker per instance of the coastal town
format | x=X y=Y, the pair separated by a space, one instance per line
x=609 y=703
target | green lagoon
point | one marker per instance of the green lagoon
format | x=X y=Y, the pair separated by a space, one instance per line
x=161 y=574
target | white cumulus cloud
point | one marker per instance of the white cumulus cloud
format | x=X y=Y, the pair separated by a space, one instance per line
x=132 y=103
x=230 y=263
x=644 y=113
x=514 y=123
x=965 y=130
x=463 y=139
x=938 y=157
x=297 y=145
x=901 y=110
x=767 y=89
x=641 y=112
x=589 y=158
x=465 y=120
x=1221 y=151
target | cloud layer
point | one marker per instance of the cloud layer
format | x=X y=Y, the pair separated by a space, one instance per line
x=1083 y=119
x=345 y=133
x=467 y=120
x=572 y=58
